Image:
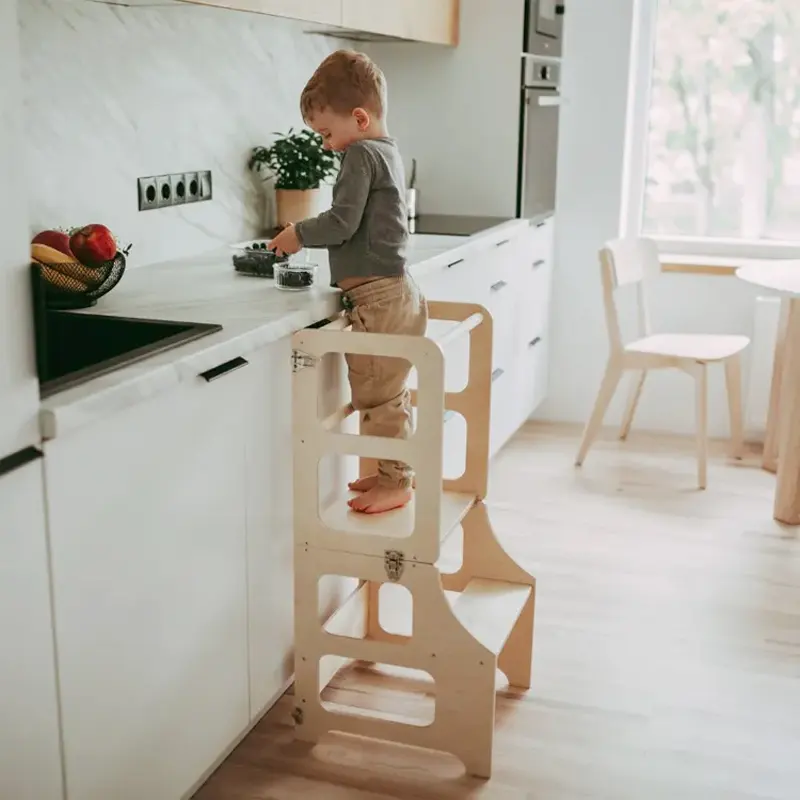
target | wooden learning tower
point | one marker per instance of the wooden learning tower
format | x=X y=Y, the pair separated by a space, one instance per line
x=466 y=624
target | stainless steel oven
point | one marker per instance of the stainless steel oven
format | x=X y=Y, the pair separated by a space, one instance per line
x=545 y=27
x=538 y=151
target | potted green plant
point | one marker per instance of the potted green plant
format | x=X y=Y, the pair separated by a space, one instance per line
x=299 y=166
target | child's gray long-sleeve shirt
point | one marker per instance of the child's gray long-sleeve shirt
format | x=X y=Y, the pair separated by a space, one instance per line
x=366 y=229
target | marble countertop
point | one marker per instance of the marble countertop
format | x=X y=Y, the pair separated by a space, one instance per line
x=205 y=288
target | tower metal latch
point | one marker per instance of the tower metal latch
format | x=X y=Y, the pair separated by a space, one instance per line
x=394 y=563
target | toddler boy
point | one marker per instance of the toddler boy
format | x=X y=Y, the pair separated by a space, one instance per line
x=366 y=234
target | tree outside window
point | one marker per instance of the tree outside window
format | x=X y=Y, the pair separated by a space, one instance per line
x=723 y=157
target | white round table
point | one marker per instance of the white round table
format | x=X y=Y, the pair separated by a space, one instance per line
x=783 y=278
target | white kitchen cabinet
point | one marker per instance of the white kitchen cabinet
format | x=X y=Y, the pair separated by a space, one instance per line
x=30 y=758
x=147 y=511
x=270 y=539
x=532 y=379
x=511 y=277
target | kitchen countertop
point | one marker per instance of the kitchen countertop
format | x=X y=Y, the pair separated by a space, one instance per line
x=206 y=288
x=453 y=224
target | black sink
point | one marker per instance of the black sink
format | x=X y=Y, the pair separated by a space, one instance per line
x=73 y=348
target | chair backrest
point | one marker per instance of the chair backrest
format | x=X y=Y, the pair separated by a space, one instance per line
x=623 y=262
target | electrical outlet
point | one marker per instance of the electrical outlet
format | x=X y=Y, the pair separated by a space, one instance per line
x=192 y=183
x=206 y=189
x=164 y=191
x=174 y=190
x=178 y=183
x=148 y=194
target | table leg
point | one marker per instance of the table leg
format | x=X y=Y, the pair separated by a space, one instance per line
x=787 y=494
x=771 y=450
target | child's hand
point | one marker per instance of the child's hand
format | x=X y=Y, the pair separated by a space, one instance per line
x=286 y=242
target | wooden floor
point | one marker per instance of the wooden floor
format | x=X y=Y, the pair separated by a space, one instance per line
x=667 y=652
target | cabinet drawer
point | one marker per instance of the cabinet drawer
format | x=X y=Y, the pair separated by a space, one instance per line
x=532 y=378
x=502 y=306
x=503 y=420
x=534 y=300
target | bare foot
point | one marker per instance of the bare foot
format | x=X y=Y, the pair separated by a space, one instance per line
x=363 y=484
x=379 y=499
x=370 y=482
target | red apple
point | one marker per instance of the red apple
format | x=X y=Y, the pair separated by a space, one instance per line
x=58 y=240
x=93 y=245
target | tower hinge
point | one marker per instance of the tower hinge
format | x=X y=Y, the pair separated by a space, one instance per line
x=301 y=360
x=394 y=563
x=297 y=715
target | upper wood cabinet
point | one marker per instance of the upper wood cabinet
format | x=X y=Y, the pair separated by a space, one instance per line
x=324 y=12
x=433 y=21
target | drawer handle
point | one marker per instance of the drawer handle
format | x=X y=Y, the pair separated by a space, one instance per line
x=455 y=263
x=534 y=342
x=501 y=243
x=540 y=224
x=497 y=373
x=19 y=459
x=496 y=287
x=538 y=263
x=223 y=369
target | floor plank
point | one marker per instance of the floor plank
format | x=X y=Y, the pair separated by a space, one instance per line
x=667 y=647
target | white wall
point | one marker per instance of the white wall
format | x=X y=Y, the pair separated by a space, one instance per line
x=590 y=190
x=19 y=389
x=113 y=93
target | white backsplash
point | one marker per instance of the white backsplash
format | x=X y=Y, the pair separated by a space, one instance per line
x=115 y=93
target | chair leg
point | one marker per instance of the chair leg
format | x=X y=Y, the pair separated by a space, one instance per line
x=604 y=396
x=701 y=401
x=769 y=460
x=733 y=379
x=633 y=402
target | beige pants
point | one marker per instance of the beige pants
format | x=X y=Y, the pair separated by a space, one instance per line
x=378 y=383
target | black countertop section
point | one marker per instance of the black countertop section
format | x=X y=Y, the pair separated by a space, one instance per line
x=453 y=224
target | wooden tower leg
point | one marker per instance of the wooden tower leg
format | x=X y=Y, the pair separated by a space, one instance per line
x=477 y=737
x=516 y=657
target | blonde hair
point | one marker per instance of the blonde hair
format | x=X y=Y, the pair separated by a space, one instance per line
x=345 y=80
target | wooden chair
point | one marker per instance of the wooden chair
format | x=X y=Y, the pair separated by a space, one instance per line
x=636 y=261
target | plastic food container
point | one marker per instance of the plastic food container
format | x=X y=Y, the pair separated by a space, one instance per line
x=295 y=277
x=255 y=260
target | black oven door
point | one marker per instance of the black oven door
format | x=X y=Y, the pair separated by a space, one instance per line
x=539 y=151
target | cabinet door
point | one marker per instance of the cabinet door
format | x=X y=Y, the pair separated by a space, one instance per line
x=535 y=292
x=433 y=21
x=147 y=514
x=30 y=761
x=270 y=543
x=533 y=378
x=270 y=537
x=325 y=12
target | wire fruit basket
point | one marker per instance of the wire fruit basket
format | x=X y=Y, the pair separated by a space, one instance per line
x=74 y=285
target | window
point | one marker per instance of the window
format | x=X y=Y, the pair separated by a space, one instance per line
x=722 y=161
